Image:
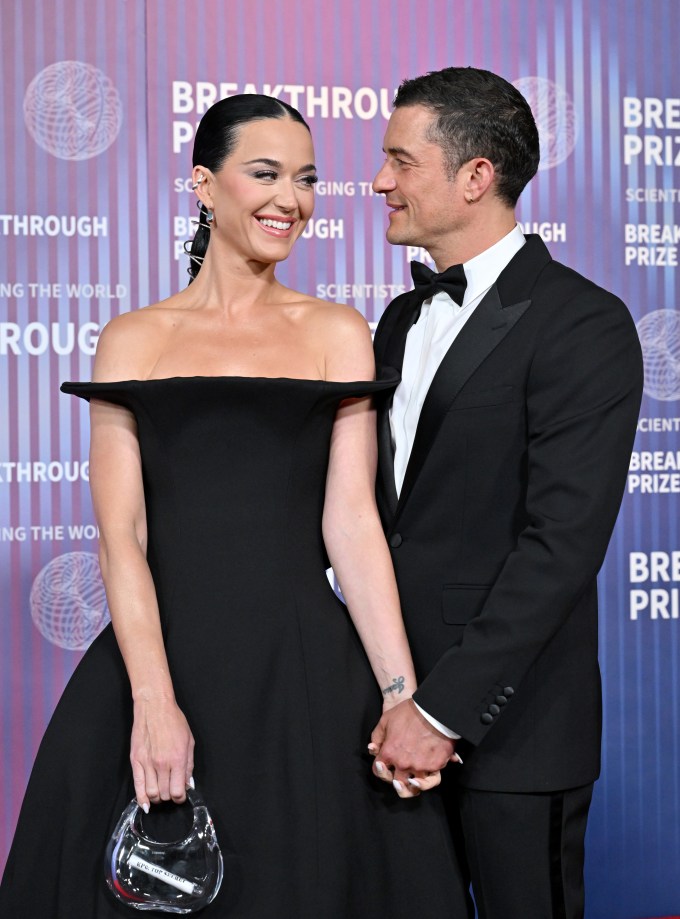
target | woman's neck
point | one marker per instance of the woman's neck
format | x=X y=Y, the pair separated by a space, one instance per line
x=230 y=281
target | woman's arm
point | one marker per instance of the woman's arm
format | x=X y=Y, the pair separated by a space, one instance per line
x=358 y=552
x=162 y=745
x=351 y=526
x=355 y=540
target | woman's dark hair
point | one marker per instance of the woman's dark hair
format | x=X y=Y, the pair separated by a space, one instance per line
x=216 y=137
x=478 y=114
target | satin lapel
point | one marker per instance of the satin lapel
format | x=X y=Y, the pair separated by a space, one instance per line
x=390 y=346
x=486 y=328
x=392 y=343
x=387 y=485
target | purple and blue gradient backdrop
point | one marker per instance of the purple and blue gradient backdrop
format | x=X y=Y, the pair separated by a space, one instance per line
x=598 y=52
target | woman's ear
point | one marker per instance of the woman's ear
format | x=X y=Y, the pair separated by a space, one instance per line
x=201 y=177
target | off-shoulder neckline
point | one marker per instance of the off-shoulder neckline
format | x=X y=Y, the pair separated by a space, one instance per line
x=388 y=379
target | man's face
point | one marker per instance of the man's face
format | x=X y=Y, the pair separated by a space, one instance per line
x=426 y=205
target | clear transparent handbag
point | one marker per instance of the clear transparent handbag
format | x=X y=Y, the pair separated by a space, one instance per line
x=171 y=877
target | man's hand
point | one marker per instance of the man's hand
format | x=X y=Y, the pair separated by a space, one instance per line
x=409 y=751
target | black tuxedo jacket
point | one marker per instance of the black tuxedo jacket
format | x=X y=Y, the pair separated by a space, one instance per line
x=510 y=496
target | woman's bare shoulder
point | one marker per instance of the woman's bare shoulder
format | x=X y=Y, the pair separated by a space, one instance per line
x=129 y=344
x=334 y=318
x=344 y=338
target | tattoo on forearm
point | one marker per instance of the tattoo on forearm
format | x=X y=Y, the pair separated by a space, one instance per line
x=397 y=686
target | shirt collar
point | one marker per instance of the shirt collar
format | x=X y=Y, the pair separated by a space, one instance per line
x=483 y=270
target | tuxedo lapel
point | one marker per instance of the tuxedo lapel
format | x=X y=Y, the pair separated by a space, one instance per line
x=386 y=484
x=486 y=328
x=392 y=343
x=390 y=347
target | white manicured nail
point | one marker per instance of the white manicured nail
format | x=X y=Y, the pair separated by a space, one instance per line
x=414 y=782
x=379 y=767
x=145 y=807
x=192 y=784
x=397 y=785
x=457 y=759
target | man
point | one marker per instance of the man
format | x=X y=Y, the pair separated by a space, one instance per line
x=503 y=461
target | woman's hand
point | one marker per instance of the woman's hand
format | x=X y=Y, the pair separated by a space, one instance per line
x=161 y=752
x=408 y=751
x=415 y=782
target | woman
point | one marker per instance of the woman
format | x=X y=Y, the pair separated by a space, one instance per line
x=239 y=446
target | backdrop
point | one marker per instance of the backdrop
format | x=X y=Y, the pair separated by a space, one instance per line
x=100 y=103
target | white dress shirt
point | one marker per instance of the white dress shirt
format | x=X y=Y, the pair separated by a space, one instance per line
x=427 y=342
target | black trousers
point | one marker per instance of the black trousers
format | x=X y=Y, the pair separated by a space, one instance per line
x=524 y=852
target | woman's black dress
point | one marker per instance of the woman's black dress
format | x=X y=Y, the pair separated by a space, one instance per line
x=266 y=666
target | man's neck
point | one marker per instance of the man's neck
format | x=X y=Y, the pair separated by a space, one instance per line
x=477 y=237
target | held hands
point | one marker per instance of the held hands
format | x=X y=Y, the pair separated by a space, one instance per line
x=161 y=753
x=409 y=752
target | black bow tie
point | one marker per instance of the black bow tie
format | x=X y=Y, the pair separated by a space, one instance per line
x=452 y=281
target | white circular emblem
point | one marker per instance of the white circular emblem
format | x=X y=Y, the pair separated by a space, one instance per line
x=68 y=603
x=73 y=110
x=555 y=118
x=659 y=334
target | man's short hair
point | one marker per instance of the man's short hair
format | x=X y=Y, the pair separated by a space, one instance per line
x=478 y=114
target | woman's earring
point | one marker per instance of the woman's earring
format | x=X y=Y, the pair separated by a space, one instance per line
x=209 y=216
x=197 y=183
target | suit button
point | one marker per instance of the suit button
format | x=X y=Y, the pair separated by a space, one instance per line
x=508 y=691
x=395 y=540
x=487 y=718
x=501 y=700
x=494 y=709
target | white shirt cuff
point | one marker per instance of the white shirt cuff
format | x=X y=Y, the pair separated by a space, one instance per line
x=447 y=732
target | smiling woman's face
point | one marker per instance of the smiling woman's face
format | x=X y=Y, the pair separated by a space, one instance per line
x=263 y=195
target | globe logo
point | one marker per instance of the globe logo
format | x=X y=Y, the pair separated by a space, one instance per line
x=659 y=334
x=68 y=603
x=72 y=110
x=555 y=118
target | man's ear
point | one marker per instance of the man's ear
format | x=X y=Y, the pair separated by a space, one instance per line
x=479 y=177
